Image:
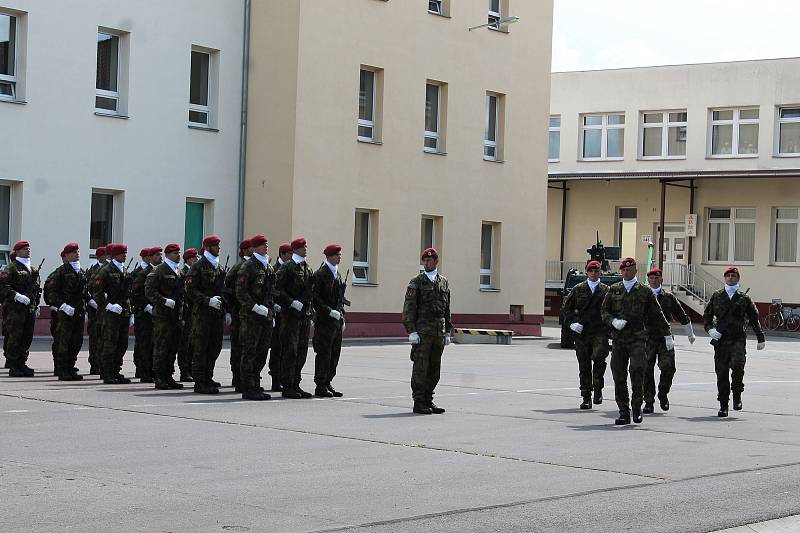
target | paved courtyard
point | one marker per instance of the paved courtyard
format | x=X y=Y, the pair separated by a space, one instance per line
x=512 y=453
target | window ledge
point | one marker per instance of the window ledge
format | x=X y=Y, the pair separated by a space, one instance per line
x=668 y=158
x=111 y=115
x=784 y=265
x=364 y=284
x=488 y=289
x=553 y=160
x=744 y=156
x=434 y=152
x=498 y=30
x=365 y=141
x=600 y=159
x=439 y=14
x=202 y=128
x=786 y=155
x=727 y=263
x=13 y=101
x=494 y=160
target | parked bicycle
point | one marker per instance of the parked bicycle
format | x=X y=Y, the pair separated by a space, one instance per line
x=781 y=318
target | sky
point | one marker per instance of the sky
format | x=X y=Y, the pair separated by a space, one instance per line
x=598 y=34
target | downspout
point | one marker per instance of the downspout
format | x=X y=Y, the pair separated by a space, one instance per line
x=243 y=130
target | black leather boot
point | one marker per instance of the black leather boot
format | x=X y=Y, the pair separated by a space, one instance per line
x=587 y=401
x=336 y=393
x=322 y=392
x=723 y=409
x=624 y=419
x=637 y=415
x=664 y=402
x=255 y=395
x=737 y=401
x=598 y=397
x=648 y=408
x=435 y=409
x=422 y=409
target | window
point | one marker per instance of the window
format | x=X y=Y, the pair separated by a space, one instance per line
x=8 y=56
x=489 y=245
x=494 y=14
x=430 y=234
x=734 y=132
x=493 y=131
x=439 y=7
x=731 y=234
x=101 y=228
x=363 y=258
x=194 y=224
x=435 y=113
x=786 y=241
x=602 y=136
x=554 y=141
x=199 y=88
x=5 y=223
x=663 y=135
x=107 y=98
x=370 y=104
x=789 y=131
x=626 y=230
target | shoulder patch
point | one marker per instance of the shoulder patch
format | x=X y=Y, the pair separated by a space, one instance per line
x=409 y=293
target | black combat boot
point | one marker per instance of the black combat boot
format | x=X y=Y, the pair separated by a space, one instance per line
x=637 y=415
x=236 y=383
x=146 y=379
x=598 y=397
x=161 y=384
x=216 y=384
x=255 y=395
x=664 y=402
x=737 y=401
x=422 y=409
x=587 y=401
x=205 y=388
x=29 y=372
x=290 y=393
x=64 y=375
x=75 y=375
x=172 y=384
x=624 y=418
x=648 y=408
x=94 y=371
x=723 y=409
x=336 y=394
x=435 y=409
x=17 y=373
x=186 y=378
x=322 y=392
x=122 y=380
x=276 y=386
x=303 y=394
x=111 y=380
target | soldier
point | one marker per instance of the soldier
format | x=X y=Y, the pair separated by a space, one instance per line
x=255 y=285
x=426 y=317
x=19 y=292
x=93 y=327
x=110 y=290
x=656 y=348
x=164 y=290
x=65 y=289
x=143 y=318
x=230 y=285
x=284 y=255
x=185 y=347
x=205 y=285
x=632 y=310
x=329 y=310
x=726 y=315
x=294 y=285
x=53 y=319
x=582 y=312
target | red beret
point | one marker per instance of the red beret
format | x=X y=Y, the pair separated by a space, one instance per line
x=298 y=243
x=172 y=247
x=155 y=250
x=101 y=250
x=731 y=269
x=655 y=272
x=21 y=244
x=245 y=244
x=430 y=252
x=70 y=248
x=188 y=254
x=258 y=240
x=285 y=248
x=332 y=249
x=593 y=264
x=116 y=249
x=145 y=252
x=627 y=262
x=211 y=240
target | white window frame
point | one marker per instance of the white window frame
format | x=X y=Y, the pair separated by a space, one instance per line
x=780 y=121
x=112 y=95
x=438 y=7
x=434 y=135
x=603 y=127
x=364 y=123
x=732 y=220
x=774 y=244
x=735 y=122
x=488 y=143
x=554 y=129
x=487 y=271
x=197 y=107
x=5 y=249
x=12 y=79
x=433 y=237
x=494 y=16
x=364 y=264
x=665 y=126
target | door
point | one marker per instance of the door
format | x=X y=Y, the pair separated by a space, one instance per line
x=675 y=254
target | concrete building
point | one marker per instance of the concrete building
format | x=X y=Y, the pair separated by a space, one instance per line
x=633 y=152
x=388 y=127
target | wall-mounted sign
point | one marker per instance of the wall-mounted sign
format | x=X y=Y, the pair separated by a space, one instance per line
x=691 y=225
x=647 y=238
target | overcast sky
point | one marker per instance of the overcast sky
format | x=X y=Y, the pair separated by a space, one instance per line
x=596 y=34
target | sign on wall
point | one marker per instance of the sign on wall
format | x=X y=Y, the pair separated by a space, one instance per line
x=691 y=225
x=647 y=238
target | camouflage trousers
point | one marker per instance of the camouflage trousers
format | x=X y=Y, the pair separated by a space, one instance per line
x=730 y=359
x=53 y=348
x=275 y=351
x=327 y=346
x=143 y=344
x=67 y=341
x=624 y=354
x=236 y=346
x=206 y=342
x=93 y=329
x=657 y=351
x=294 y=347
x=591 y=352
x=114 y=330
x=425 y=372
x=166 y=337
x=18 y=321
x=185 y=347
x=255 y=335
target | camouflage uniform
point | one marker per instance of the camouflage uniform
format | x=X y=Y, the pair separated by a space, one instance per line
x=427 y=311
x=294 y=282
x=236 y=323
x=110 y=285
x=93 y=325
x=255 y=285
x=185 y=346
x=729 y=351
x=643 y=314
x=591 y=345
x=66 y=286
x=657 y=350
x=203 y=282
x=163 y=283
x=18 y=319
x=327 y=331
x=142 y=325
x=53 y=324
x=275 y=345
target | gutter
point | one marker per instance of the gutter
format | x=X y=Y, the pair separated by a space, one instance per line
x=243 y=129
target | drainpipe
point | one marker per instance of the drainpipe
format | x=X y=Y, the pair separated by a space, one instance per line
x=243 y=130
x=661 y=225
x=691 y=210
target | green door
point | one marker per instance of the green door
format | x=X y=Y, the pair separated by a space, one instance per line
x=194 y=225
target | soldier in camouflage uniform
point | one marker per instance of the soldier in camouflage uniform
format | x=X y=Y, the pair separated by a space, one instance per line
x=725 y=318
x=284 y=255
x=19 y=292
x=233 y=307
x=255 y=284
x=93 y=327
x=632 y=312
x=53 y=319
x=143 y=318
x=582 y=313
x=329 y=310
x=185 y=346
x=205 y=284
x=657 y=349
x=164 y=290
x=110 y=290
x=426 y=317
x=65 y=290
x=295 y=286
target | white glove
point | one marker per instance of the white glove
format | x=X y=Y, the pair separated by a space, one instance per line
x=132 y=320
x=690 y=333
x=277 y=308
x=114 y=308
x=619 y=323
x=760 y=345
x=344 y=325
x=228 y=319
x=577 y=327
x=148 y=309
x=21 y=298
x=446 y=340
x=296 y=304
x=37 y=312
x=260 y=310
x=168 y=302
x=92 y=304
x=68 y=309
x=414 y=338
x=215 y=302
x=716 y=335
x=670 y=342
x=334 y=314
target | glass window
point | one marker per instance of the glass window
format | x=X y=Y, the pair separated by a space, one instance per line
x=490 y=147
x=366 y=105
x=660 y=139
x=107 y=98
x=5 y=215
x=603 y=136
x=102 y=220
x=789 y=130
x=734 y=132
x=731 y=234
x=198 y=87
x=361 y=247
x=626 y=230
x=487 y=237
x=8 y=41
x=194 y=225
x=592 y=143
x=427 y=238
x=787 y=222
x=435 y=6
x=494 y=12
x=431 y=141
x=554 y=139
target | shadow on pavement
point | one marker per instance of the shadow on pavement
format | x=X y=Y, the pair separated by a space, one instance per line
x=404 y=414
x=709 y=418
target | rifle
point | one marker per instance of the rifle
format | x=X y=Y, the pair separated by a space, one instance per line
x=219 y=284
x=342 y=300
x=36 y=284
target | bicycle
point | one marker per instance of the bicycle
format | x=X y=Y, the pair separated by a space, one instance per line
x=779 y=317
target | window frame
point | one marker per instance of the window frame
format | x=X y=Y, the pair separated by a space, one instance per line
x=732 y=220
x=735 y=123
x=494 y=16
x=112 y=218
x=440 y=7
x=774 y=237
x=487 y=271
x=488 y=143
x=198 y=108
x=554 y=129
x=665 y=126
x=11 y=79
x=364 y=264
x=5 y=249
x=604 y=126
x=365 y=123
x=104 y=93
x=434 y=135
x=779 y=121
